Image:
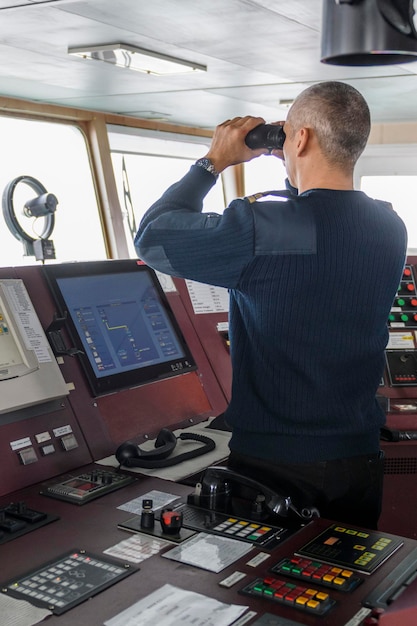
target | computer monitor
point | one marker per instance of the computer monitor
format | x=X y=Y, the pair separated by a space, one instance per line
x=120 y=321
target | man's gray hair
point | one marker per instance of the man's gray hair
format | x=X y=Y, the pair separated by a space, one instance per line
x=340 y=117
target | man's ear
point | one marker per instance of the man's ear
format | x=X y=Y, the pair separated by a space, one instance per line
x=303 y=137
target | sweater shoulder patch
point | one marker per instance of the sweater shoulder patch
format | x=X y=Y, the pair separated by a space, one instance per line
x=284 y=228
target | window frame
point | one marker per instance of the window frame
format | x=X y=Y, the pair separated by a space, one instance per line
x=387 y=160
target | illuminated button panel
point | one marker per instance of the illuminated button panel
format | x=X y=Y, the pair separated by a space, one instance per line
x=351 y=548
x=242 y=529
x=318 y=573
x=222 y=524
x=304 y=598
x=404 y=309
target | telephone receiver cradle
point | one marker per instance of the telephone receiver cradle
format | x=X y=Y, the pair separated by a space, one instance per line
x=219 y=484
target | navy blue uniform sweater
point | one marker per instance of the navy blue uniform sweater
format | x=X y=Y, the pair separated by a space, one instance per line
x=311 y=282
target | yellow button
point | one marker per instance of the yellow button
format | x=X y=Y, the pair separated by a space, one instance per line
x=313 y=604
x=339 y=581
x=301 y=600
x=347 y=573
x=322 y=596
x=328 y=578
x=310 y=592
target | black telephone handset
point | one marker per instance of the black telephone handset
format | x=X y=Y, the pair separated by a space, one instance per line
x=129 y=454
x=219 y=484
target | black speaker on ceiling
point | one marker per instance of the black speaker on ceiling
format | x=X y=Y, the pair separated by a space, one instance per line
x=368 y=32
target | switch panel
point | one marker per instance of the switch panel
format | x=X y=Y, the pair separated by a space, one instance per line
x=404 y=309
x=402 y=367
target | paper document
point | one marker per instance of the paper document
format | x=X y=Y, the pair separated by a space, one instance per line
x=170 y=606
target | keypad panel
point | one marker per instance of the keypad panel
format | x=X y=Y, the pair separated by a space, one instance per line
x=68 y=581
x=304 y=598
x=318 y=573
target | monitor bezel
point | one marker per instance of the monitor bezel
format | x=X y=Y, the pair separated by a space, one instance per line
x=139 y=376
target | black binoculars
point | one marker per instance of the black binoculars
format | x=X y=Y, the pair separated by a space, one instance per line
x=267 y=136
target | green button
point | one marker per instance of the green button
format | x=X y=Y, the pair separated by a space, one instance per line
x=400 y=302
x=404 y=317
x=290 y=585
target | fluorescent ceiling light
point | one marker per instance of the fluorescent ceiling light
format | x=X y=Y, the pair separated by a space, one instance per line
x=137 y=59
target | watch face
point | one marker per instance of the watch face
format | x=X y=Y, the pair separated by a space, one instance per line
x=207 y=165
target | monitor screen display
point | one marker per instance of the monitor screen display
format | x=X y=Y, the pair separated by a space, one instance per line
x=120 y=321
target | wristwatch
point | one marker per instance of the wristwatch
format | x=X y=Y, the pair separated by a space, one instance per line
x=206 y=164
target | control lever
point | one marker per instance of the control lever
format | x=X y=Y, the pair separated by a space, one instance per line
x=171 y=521
x=258 y=507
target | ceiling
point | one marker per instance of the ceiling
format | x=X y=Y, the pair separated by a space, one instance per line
x=259 y=54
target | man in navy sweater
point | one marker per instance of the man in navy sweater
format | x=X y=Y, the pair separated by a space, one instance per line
x=312 y=280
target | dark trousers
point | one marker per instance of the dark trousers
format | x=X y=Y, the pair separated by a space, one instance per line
x=344 y=490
